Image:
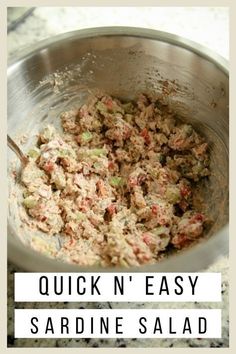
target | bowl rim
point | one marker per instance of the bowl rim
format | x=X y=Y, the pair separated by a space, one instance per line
x=187 y=260
x=126 y=31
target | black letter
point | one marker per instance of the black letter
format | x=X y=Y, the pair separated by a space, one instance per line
x=49 y=326
x=187 y=326
x=157 y=328
x=204 y=329
x=82 y=325
x=64 y=325
x=33 y=324
x=94 y=285
x=164 y=286
x=104 y=325
x=78 y=287
x=118 y=325
x=55 y=285
x=148 y=285
x=144 y=327
x=46 y=285
x=119 y=284
x=91 y=324
x=193 y=284
x=180 y=286
x=69 y=285
x=170 y=323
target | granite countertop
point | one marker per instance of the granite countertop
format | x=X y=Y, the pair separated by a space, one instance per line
x=208 y=26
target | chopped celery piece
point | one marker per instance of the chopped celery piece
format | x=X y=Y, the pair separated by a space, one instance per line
x=26 y=193
x=97 y=152
x=187 y=129
x=43 y=246
x=123 y=262
x=60 y=181
x=101 y=107
x=48 y=133
x=33 y=153
x=117 y=109
x=129 y=118
x=66 y=153
x=128 y=107
x=97 y=165
x=173 y=194
x=161 y=230
x=63 y=153
x=116 y=181
x=80 y=216
x=30 y=202
x=86 y=137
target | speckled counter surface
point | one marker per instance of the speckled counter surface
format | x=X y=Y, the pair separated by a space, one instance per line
x=208 y=26
x=220 y=266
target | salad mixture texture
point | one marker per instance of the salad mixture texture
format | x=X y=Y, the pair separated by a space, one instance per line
x=118 y=183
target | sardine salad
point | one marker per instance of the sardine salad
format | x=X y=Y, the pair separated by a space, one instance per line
x=117 y=184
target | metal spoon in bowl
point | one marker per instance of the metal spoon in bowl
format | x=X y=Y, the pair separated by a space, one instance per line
x=14 y=147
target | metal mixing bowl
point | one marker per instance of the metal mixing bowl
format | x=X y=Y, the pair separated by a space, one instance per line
x=60 y=72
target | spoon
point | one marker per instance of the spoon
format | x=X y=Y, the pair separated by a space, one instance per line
x=14 y=147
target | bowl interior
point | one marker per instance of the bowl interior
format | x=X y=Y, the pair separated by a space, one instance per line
x=62 y=75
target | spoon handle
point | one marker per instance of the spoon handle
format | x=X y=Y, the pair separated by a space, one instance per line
x=14 y=147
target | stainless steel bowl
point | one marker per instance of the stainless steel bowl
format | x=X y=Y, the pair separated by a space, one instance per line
x=60 y=72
